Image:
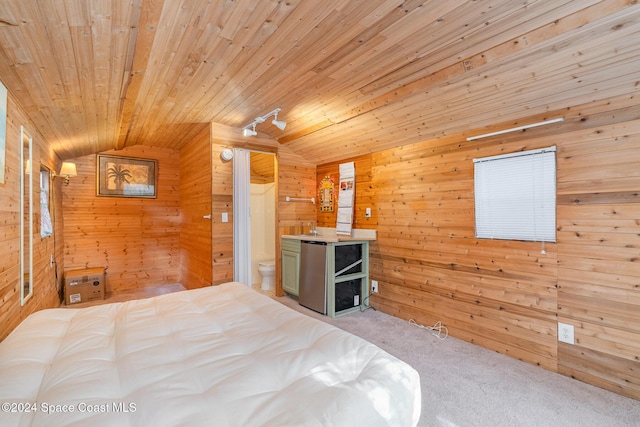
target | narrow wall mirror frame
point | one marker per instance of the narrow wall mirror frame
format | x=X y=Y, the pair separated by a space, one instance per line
x=26 y=216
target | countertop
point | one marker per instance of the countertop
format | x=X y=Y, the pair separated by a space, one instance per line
x=328 y=235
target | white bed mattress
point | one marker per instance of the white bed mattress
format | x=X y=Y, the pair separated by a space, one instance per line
x=220 y=356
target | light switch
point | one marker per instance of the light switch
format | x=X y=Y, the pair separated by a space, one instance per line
x=367 y=213
x=225 y=217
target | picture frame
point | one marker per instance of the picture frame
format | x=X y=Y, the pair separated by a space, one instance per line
x=126 y=177
x=325 y=194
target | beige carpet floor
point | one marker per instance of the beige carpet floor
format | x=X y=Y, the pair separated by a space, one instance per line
x=464 y=385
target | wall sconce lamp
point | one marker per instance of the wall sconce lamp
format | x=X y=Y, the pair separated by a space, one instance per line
x=68 y=170
x=250 y=129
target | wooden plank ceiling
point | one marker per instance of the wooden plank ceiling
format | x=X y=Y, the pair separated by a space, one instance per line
x=351 y=76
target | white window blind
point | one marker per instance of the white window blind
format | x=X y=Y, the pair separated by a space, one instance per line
x=515 y=196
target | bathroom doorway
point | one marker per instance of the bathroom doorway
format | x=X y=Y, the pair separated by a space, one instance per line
x=254 y=206
x=263 y=221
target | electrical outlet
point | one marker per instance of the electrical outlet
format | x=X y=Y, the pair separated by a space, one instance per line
x=565 y=333
x=374 y=286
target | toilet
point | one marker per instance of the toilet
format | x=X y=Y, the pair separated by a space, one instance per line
x=267 y=270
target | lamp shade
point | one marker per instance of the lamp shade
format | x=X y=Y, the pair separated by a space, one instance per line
x=68 y=170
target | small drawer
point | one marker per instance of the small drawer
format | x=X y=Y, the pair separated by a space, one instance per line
x=291 y=245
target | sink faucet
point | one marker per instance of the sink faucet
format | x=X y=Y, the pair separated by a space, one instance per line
x=313 y=230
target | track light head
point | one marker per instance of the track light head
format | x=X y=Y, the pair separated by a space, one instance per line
x=250 y=132
x=279 y=124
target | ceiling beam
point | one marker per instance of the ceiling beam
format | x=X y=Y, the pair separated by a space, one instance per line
x=140 y=45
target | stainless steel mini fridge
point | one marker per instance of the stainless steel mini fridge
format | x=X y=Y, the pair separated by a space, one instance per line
x=313 y=279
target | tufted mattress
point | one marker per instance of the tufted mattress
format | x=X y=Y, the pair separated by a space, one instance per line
x=217 y=356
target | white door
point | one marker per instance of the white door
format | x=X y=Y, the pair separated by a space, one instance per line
x=242 y=216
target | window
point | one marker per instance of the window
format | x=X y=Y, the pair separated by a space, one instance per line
x=515 y=196
x=46 y=225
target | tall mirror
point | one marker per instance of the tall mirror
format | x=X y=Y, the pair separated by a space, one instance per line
x=26 y=217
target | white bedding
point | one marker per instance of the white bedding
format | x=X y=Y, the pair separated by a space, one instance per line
x=220 y=356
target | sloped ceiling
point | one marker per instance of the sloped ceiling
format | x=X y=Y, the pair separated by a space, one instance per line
x=351 y=76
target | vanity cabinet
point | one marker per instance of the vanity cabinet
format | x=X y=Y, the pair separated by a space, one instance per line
x=346 y=278
x=290 y=266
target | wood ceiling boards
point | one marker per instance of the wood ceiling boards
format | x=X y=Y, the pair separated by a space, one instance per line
x=351 y=76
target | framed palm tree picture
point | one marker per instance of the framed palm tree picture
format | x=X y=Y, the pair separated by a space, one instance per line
x=126 y=176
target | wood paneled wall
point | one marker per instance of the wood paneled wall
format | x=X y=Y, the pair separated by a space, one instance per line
x=195 y=203
x=45 y=284
x=136 y=239
x=365 y=196
x=296 y=178
x=599 y=249
x=506 y=295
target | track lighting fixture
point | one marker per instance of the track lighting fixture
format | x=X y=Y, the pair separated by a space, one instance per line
x=250 y=129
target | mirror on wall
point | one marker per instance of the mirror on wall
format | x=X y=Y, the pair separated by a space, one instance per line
x=26 y=217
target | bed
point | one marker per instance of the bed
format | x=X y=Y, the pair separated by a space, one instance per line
x=224 y=355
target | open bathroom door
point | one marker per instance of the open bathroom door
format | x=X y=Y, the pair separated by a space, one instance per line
x=242 y=216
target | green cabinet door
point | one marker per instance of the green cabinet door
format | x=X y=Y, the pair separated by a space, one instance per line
x=290 y=266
